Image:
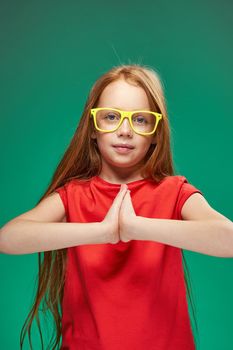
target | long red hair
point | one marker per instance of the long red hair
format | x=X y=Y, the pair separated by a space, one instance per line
x=82 y=160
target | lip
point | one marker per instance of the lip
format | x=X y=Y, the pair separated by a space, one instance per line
x=123 y=150
x=125 y=145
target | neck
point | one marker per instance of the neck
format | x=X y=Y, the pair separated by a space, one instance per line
x=120 y=175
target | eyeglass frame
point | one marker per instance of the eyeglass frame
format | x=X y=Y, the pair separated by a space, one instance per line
x=125 y=114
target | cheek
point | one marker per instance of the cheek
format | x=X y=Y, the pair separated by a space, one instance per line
x=104 y=138
x=104 y=142
x=144 y=144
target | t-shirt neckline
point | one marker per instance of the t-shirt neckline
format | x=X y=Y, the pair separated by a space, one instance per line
x=101 y=180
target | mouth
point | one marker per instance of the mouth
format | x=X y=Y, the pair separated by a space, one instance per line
x=127 y=146
x=123 y=149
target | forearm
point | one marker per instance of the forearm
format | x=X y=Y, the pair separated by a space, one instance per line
x=27 y=236
x=211 y=237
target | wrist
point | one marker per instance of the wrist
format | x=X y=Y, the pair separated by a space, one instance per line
x=133 y=228
x=106 y=232
x=137 y=228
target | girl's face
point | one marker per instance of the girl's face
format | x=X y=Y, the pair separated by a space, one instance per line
x=121 y=95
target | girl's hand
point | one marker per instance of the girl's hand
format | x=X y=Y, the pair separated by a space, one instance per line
x=127 y=217
x=111 y=220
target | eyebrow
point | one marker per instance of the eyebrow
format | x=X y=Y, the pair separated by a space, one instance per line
x=138 y=109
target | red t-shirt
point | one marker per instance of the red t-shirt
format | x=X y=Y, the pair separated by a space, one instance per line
x=128 y=295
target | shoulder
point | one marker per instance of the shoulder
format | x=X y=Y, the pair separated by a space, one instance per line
x=180 y=183
x=174 y=181
x=192 y=202
x=71 y=189
x=73 y=183
x=179 y=189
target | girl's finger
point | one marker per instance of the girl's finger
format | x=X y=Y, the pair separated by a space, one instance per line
x=123 y=187
x=121 y=193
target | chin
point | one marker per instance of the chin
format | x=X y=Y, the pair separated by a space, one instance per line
x=123 y=163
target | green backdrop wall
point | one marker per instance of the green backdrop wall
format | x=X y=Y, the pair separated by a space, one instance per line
x=51 y=54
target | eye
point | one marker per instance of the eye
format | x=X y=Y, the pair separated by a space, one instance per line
x=110 y=116
x=140 y=119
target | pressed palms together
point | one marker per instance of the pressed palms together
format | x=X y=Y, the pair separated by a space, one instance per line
x=119 y=217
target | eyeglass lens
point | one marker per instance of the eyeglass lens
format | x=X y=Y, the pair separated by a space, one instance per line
x=110 y=119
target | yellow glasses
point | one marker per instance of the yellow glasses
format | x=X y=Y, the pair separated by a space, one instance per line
x=109 y=119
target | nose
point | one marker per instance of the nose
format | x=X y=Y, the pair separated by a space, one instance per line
x=125 y=127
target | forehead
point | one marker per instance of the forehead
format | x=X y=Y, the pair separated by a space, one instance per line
x=122 y=95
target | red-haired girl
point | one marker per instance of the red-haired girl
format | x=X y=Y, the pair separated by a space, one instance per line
x=113 y=223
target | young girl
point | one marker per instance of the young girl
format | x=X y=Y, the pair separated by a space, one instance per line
x=113 y=223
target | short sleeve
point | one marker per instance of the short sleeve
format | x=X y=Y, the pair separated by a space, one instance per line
x=185 y=191
x=62 y=191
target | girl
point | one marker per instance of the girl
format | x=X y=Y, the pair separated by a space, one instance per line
x=113 y=223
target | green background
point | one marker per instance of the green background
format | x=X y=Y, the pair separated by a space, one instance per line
x=51 y=54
